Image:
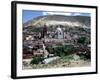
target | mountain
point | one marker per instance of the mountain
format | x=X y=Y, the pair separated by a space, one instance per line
x=71 y=21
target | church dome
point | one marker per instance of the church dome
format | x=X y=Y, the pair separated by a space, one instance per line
x=59 y=29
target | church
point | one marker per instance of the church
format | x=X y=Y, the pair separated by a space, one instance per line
x=60 y=33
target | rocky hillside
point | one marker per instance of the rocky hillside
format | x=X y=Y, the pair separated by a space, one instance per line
x=71 y=21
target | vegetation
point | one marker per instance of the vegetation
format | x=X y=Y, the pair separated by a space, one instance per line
x=34 y=29
x=81 y=40
x=37 y=60
x=65 y=61
x=61 y=50
x=67 y=58
x=84 y=40
x=85 y=56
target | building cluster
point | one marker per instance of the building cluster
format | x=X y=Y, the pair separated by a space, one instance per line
x=33 y=41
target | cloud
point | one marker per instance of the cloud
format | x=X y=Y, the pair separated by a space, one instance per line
x=67 y=13
x=81 y=14
x=76 y=14
x=56 y=13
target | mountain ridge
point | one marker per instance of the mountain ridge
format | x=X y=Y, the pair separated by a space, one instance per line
x=57 y=19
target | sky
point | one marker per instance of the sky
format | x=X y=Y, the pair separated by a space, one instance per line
x=30 y=14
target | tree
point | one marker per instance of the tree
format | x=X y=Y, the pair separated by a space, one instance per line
x=81 y=40
x=37 y=60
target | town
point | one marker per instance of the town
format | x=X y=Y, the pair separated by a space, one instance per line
x=49 y=42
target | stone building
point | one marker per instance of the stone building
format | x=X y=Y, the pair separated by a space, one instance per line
x=60 y=33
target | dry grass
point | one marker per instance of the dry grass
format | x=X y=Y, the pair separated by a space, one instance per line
x=66 y=61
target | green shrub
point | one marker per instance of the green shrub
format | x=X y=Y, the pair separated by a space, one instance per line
x=81 y=40
x=63 y=50
x=85 y=56
x=58 y=51
x=36 y=60
x=68 y=49
x=67 y=58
